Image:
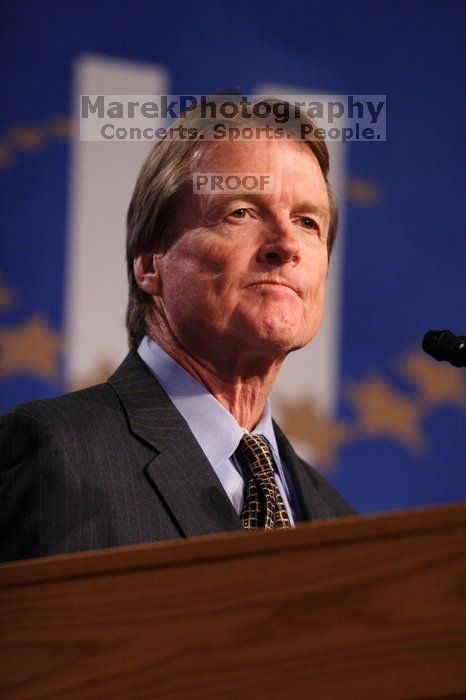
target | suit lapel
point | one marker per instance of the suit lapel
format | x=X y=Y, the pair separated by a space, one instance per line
x=312 y=504
x=180 y=472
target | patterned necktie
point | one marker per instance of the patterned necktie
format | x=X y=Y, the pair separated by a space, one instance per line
x=263 y=504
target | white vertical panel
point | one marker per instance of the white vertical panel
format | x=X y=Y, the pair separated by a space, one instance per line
x=313 y=372
x=103 y=176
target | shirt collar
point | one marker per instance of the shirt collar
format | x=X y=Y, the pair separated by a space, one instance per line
x=214 y=427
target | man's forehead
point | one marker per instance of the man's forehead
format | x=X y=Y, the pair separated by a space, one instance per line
x=275 y=153
x=267 y=172
x=290 y=164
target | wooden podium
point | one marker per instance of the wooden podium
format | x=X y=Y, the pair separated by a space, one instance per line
x=370 y=607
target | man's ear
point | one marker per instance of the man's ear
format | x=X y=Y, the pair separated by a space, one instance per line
x=146 y=270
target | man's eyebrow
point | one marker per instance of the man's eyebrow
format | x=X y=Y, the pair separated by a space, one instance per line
x=217 y=204
x=320 y=210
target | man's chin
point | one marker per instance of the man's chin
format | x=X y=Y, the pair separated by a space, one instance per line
x=274 y=339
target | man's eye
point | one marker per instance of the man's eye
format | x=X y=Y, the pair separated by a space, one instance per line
x=308 y=223
x=239 y=213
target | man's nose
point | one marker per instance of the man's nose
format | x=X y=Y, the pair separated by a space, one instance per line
x=280 y=244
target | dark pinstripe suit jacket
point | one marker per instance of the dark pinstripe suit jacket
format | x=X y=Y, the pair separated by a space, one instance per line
x=116 y=464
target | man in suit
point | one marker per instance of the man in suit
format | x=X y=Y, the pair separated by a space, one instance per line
x=180 y=441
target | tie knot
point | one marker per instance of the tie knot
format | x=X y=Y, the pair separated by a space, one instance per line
x=256 y=455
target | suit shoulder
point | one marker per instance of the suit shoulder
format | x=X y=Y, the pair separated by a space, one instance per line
x=78 y=406
x=64 y=430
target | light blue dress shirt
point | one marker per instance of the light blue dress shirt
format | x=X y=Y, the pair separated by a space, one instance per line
x=214 y=427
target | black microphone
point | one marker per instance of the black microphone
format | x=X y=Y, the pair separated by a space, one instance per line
x=443 y=345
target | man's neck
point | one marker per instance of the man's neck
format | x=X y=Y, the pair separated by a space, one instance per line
x=243 y=390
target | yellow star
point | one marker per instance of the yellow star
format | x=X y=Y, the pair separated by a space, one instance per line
x=323 y=434
x=60 y=127
x=5 y=156
x=438 y=383
x=7 y=297
x=28 y=138
x=364 y=192
x=385 y=412
x=32 y=348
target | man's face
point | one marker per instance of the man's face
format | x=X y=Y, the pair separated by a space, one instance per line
x=247 y=272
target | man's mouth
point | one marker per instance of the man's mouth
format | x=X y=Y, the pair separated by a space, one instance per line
x=274 y=283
